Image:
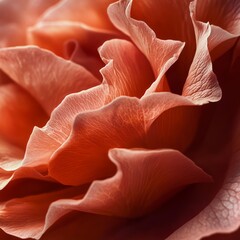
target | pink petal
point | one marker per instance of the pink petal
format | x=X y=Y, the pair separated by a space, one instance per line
x=40 y=71
x=90 y=12
x=19 y=114
x=127 y=71
x=119 y=124
x=219 y=153
x=122 y=123
x=14 y=20
x=45 y=141
x=10 y=156
x=175 y=128
x=201 y=85
x=222 y=215
x=156 y=104
x=56 y=36
x=224 y=20
x=132 y=192
x=79 y=226
x=25 y=217
x=224 y=14
x=161 y=54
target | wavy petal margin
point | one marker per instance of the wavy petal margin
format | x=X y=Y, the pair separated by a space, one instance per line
x=40 y=71
x=160 y=53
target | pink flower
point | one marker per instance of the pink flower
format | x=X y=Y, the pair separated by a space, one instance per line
x=119 y=120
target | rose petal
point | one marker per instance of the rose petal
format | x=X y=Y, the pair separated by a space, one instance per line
x=224 y=20
x=131 y=191
x=25 y=217
x=10 y=155
x=14 y=20
x=90 y=12
x=45 y=141
x=224 y=14
x=19 y=114
x=155 y=104
x=161 y=54
x=222 y=215
x=176 y=128
x=79 y=226
x=201 y=85
x=131 y=76
x=122 y=123
x=83 y=157
x=56 y=37
x=40 y=71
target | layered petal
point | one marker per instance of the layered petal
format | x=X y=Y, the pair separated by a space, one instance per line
x=161 y=54
x=222 y=215
x=83 y=158
x=142 y=182
x=127 y=72
x=131 y=191
x=25 y=217
x=90 y=12
x=39 y=71
x=19 y=114
x=14 y=20
x=201 y=85
x=71 y=40
x=224 y=19
x=45 y=141
x=224 y=14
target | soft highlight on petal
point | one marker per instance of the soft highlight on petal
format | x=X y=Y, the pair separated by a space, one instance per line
x=161 y=54
x=127 y=71
x=201 y=85
x=19 y=114
x=83 y=158
x=40 y=71
x=14 y=21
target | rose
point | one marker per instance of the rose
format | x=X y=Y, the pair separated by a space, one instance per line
x=60 y=150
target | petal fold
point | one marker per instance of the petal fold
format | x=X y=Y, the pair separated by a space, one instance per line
x=201 y=85
x=161 y=54
x=38 y=71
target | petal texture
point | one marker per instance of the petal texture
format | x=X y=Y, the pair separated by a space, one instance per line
x=14 y=20
x=39 y=71
x=201 y=85
x=161 y=54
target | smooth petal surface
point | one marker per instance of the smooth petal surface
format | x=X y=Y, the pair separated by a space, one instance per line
x=90 y=12
x=14 y=20
x=176 y=128
x=10 y=159
x=224 y=19
x=161 y=54
x=201 y=85
x=79 y=225
x=25 y=217
x=19 y=114
x=122 y=123
x=45 y=141
x=224 y=14
x=83 y=158
x=39 y=71
x=131 y=191
x=222 y=215
x=135 y=191
x=71 y=40
x=127 y=72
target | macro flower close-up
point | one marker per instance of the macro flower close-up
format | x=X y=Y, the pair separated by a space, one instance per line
x=120 y=119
